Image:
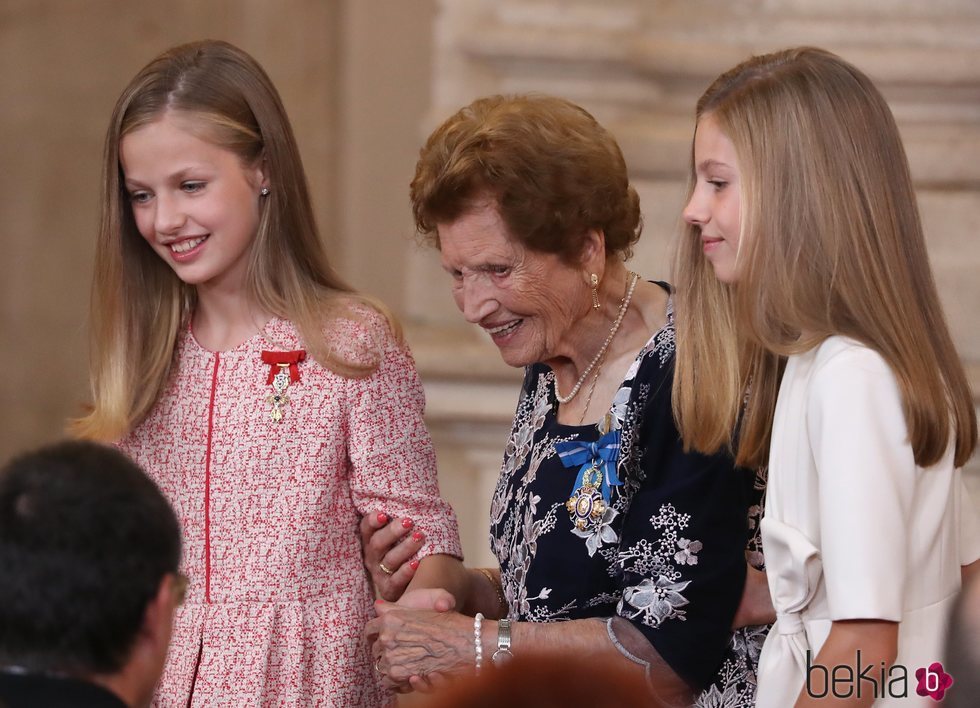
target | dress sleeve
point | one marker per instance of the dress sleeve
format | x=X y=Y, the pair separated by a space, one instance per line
x=392 y=459
x=969 y=526
x=866 y=482
x=682 y=552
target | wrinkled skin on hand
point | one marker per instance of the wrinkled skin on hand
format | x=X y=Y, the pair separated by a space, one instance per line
x=411 y=642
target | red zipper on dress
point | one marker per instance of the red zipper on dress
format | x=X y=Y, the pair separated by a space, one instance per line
x=207 y=485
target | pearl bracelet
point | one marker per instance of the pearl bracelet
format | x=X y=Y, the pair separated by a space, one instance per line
x=478 y=639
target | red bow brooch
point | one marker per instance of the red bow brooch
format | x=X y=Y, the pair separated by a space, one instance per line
x=283 y=370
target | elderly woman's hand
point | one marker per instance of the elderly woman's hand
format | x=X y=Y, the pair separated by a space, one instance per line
x=410 y=643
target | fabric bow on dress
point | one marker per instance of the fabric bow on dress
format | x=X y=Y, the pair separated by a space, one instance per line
x=794 y=569
x=599 y=457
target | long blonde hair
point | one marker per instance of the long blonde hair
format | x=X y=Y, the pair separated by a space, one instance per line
x=138 y=303
x=831 y=244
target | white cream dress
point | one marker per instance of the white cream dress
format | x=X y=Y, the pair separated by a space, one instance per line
x=853 y=528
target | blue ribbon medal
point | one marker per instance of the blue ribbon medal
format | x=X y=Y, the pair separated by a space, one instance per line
x=596 y=477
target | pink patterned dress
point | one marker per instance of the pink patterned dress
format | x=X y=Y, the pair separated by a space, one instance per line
x=270 y=510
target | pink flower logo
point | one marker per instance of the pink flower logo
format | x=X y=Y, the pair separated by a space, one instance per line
x=933 y=681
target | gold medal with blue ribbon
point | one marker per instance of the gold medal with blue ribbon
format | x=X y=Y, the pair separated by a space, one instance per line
x=596 y=477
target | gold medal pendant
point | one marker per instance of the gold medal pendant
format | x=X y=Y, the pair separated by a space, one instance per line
x=283 y=371
x=596 y=462
x=280 y=382
x=586 y=506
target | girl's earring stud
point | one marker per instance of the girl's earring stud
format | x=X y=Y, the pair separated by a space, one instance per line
x=264 y=192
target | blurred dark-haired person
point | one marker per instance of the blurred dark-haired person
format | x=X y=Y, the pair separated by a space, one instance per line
x=89 y=550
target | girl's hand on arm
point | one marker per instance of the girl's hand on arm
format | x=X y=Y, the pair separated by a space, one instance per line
x=392 y=543
x=878 y=642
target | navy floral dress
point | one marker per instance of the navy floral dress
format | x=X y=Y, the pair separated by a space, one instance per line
x=661 y=543
x=734 y=685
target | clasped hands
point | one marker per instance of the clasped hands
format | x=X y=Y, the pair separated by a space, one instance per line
x=419 y=640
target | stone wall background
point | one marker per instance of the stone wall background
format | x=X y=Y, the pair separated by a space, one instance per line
x=364 y=82
x=639 y=67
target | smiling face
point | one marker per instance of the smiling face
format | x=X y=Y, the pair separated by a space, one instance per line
x=193 y=201
x=714 y=207
x=525 y=300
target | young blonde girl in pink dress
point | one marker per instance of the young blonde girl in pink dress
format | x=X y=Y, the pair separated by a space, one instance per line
x=270 y=403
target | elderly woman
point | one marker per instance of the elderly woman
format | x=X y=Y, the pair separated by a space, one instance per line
x=611 y=538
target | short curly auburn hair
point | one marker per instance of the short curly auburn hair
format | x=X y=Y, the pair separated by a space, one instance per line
x=552 y=170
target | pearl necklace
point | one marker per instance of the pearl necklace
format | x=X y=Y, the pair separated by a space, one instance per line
x=605 y=345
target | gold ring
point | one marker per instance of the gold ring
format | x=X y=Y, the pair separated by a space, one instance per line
x=385 y=569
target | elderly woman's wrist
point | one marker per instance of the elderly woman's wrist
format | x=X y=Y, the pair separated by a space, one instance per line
x=496 y=645
x=454 y=633
x=464 y=644
x=487 y=637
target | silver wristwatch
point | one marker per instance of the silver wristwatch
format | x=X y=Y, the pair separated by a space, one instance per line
x=503 y=653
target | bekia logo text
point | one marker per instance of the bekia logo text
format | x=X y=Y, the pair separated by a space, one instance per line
x=845 y=681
